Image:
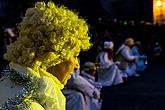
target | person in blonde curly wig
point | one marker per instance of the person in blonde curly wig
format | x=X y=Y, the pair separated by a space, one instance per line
x=43 y=58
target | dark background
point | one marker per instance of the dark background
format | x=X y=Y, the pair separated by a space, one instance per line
x=12 y=10
x=100 y=15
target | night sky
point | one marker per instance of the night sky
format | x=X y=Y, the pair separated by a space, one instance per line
x=12 y=10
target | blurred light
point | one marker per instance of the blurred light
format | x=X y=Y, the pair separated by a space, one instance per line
x=146 y=62
x=159 y=3
x=125 y=22
x=115 y=20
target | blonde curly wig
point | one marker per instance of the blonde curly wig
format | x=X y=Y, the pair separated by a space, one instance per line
x=48 y=35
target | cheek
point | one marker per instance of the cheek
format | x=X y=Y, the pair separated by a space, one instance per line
x=68 y=73
x=68 y=68
x=72 y=66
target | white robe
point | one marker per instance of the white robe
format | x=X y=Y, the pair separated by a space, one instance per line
x=130 y=67
x=108 y=73
x=75 y=100
x=81 y=85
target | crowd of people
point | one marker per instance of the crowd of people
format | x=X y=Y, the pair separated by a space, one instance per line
x=40 y=69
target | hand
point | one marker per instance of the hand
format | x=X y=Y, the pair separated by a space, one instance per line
x=96 y=95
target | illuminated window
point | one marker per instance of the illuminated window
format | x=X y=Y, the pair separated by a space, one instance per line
x=159 y=3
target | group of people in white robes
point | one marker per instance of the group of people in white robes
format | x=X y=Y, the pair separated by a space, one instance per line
x=126 y=62
x=83 y=91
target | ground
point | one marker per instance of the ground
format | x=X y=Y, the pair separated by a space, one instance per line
x=146 y=92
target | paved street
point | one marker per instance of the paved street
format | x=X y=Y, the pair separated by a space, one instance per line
x=146 y=92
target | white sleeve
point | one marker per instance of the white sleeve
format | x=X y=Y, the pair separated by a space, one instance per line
x=127 y=55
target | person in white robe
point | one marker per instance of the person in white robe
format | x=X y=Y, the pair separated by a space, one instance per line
x=127 y=60
x=89 y=73
x=108 y=73
x=75 y=100
x=86 y=87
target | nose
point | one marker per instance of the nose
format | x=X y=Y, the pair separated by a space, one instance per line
x=77 y=63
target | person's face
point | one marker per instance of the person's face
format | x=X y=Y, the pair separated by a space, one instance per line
x=131 y=46
x=63 y=71
x=93 y=72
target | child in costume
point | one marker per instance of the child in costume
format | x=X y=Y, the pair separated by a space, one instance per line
x=108 y=74
x=42 y=58
x=82 y=92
